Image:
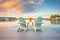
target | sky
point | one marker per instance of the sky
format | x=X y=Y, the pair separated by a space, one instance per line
x=51 y=6
x=29 y=8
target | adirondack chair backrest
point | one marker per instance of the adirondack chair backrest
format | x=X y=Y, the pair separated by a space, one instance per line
x=21 y=20
x=39 y=21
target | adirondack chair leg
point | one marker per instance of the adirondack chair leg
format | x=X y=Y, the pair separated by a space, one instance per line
x=41 y=29
x=18 y=29
x=35 y=30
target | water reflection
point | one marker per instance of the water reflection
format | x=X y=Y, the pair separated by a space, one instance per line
x=55 y=19
x=55 y=22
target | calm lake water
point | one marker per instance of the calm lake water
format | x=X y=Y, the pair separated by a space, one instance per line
x=55 y=26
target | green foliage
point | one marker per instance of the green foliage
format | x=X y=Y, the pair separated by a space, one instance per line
x=54 y=16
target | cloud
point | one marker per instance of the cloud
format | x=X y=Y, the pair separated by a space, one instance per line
x=20 y=6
